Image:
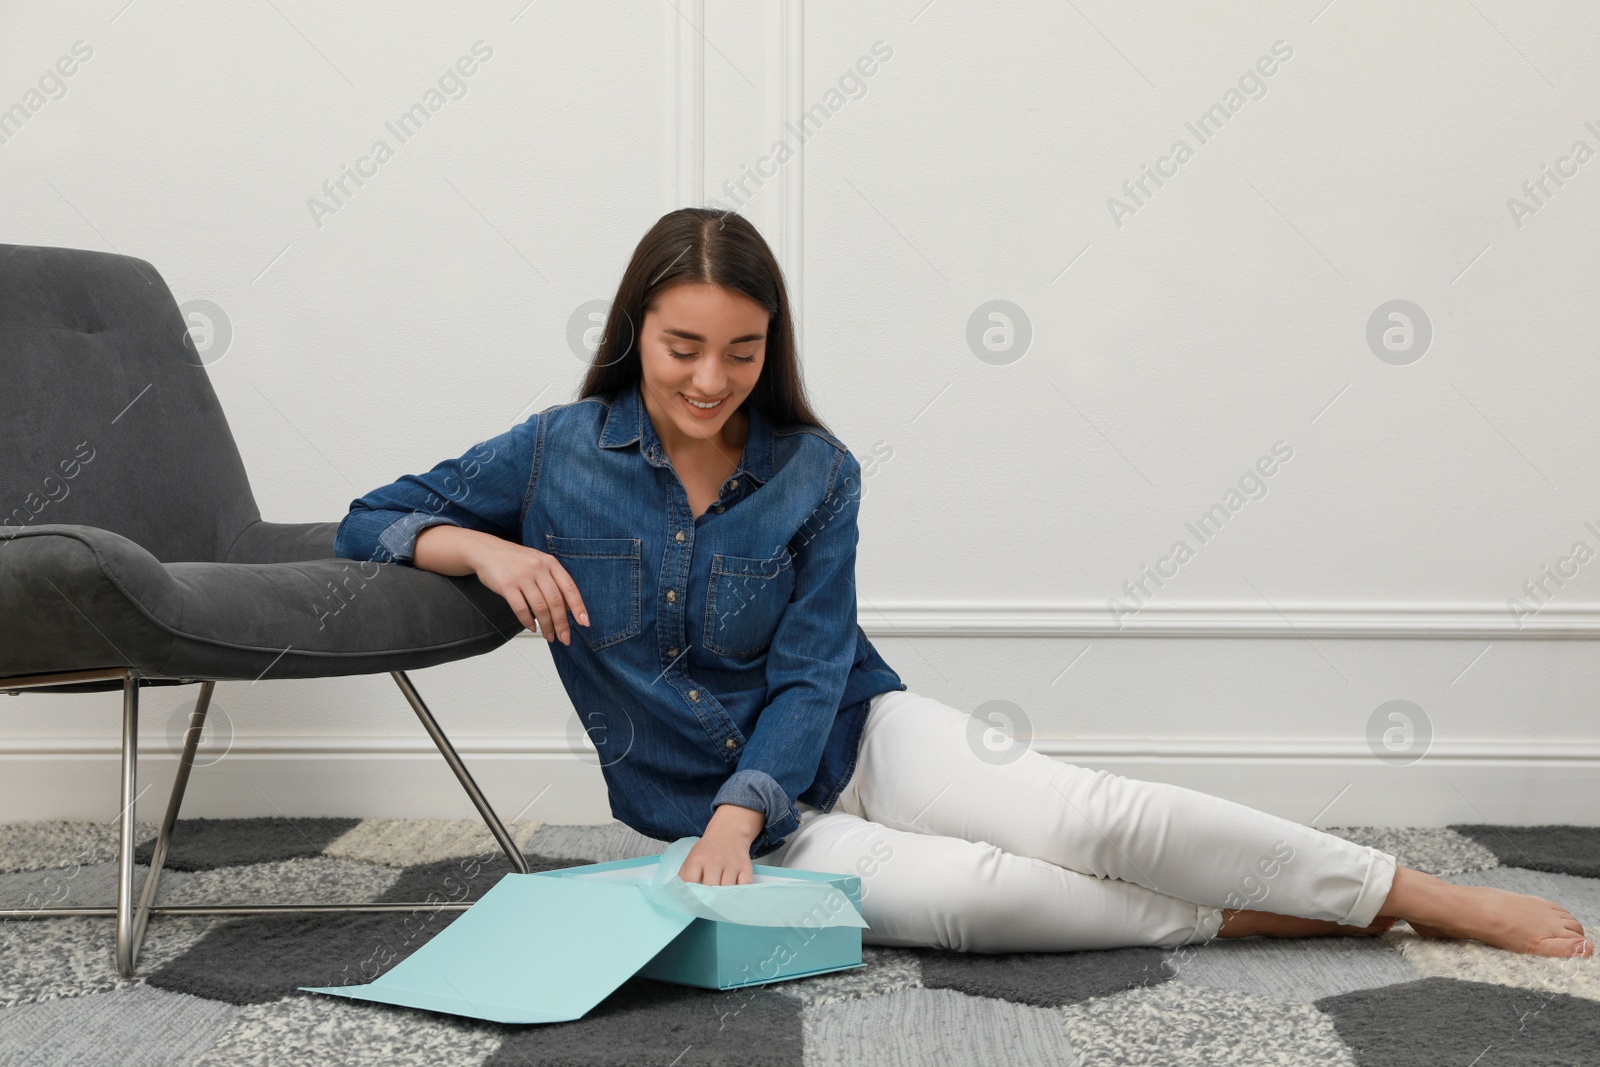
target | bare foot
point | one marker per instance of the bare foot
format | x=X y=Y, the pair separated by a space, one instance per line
x=1244 y=923
x=1517 y=922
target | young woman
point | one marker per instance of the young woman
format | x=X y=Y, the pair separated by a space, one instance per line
x=697 y=521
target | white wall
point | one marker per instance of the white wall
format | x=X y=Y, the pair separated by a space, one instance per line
x=1174 y=342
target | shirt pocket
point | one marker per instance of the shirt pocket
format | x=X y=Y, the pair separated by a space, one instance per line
x=607 y=571
x=745 y=600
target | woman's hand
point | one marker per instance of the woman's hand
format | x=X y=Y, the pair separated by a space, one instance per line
x=722 y=855
x=538 y=588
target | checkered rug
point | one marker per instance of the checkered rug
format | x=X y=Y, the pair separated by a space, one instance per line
x=216 y=990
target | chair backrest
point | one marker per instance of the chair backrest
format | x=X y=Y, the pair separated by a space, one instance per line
x=107 y=416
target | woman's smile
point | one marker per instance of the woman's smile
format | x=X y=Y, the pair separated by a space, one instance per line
x=700 y=409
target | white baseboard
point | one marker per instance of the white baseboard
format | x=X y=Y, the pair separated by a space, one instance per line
x=1320 y=783
x=372 y=784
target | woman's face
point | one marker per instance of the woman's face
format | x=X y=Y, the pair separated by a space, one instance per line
x=700 y=342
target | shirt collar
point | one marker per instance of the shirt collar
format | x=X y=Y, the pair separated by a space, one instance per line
x=628 y=422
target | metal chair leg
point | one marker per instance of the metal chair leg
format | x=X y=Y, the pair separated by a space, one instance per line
x=132 y=920
x=158 y=856
x=130 y=754
x=496 y=827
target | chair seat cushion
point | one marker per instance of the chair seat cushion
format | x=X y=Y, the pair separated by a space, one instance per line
x=79 y=597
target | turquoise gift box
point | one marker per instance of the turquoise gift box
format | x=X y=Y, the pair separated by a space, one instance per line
x=548 y=947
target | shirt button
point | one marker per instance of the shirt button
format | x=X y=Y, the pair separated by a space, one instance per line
x=732 y=743
x=719 y=507
x=694 y=694
x=672 y=596
x=672 y=652
x=734 y=484
x=680 y=537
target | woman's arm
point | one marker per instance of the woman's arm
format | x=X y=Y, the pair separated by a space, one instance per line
x=808 y=663
x=722 y=855
x=534 y=583
x=452 y=550
x=486 y=490
x=479 y=500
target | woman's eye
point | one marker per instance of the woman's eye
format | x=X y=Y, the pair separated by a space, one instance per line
x=690 y=355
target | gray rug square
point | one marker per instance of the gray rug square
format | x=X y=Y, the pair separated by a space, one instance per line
x=205 y=844
x=583 y=843
x=49 y=959
x=309 y=1029
x=646 y=1021
x=1562 y=849
x=922 y=1027
x=133 y=1026
x=88 y=884
x=1442 y=1022
x=1297 y=970
x=40 y=844
x=1181 y=1025
x=1432 y=850
x=1044 y=979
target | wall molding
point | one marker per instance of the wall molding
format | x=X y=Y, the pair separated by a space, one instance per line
x=785 y=104
x=1377 y=619
x=688 y=104
x=784 y=92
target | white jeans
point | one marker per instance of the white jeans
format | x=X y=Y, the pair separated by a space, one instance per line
x=960 y=847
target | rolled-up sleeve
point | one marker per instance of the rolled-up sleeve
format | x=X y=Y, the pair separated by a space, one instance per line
x=487 y=489
x=808 y=664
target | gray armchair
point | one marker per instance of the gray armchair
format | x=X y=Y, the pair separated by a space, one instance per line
x=132 y=552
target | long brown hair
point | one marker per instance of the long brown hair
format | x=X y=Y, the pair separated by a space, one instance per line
x=700 y=245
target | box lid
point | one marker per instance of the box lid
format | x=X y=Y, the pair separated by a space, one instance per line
x=530 y=950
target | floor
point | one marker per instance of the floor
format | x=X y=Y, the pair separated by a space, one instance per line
x=219 y=990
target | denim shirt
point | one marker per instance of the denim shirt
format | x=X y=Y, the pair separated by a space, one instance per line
x=723 y=662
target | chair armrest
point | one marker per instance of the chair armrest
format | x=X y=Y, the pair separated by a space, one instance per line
x=74 y=597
